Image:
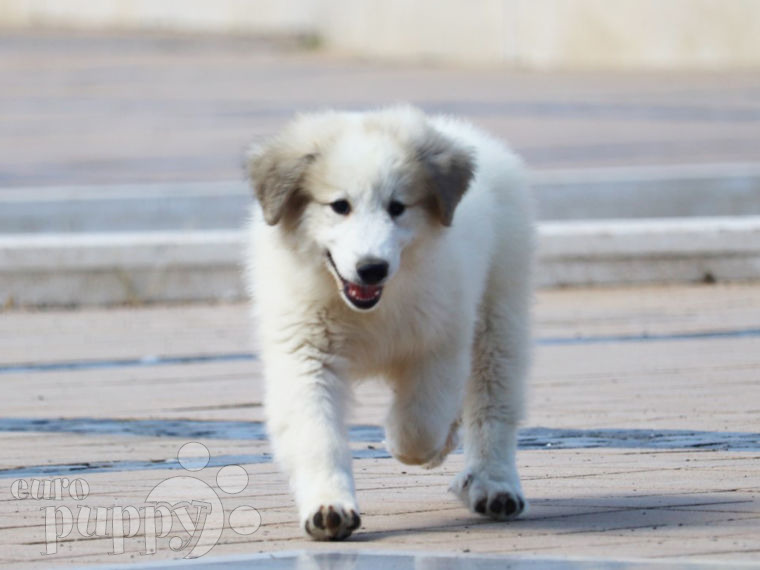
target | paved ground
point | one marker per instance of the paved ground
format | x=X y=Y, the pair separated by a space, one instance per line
x=643 y=436
x=93 y=108
x=642 y=441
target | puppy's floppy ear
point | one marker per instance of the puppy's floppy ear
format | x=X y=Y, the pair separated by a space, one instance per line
x=276 y=173
x=447 y=172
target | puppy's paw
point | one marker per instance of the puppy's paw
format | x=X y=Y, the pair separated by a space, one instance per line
x=332 y=522
x=498 y=498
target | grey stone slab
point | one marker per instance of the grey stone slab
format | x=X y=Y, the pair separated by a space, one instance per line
x=81 y=107
x=148 y=267
x=623 y=193
x=338 y=560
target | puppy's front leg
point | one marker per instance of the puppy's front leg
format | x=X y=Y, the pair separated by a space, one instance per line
x=305 y=407
x=490 y=484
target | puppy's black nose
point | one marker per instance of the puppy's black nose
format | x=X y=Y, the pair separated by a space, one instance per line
x=372 y=270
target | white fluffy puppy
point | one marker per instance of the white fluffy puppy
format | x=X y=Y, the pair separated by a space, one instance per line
x=396 y=245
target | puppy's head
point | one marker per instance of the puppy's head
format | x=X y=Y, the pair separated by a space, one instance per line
x=355 y=189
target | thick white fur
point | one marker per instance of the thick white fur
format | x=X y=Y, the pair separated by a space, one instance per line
x=450 y=334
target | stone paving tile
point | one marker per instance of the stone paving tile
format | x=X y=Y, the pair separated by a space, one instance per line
x=695 y=503
x=92 y=108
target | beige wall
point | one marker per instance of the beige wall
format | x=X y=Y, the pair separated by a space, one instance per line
x=552 y=33
x=528 y=33
x=651 y=33
x=193 y=15
x=446 y=29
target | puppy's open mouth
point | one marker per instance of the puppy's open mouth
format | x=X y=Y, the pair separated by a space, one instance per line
x=363 y=297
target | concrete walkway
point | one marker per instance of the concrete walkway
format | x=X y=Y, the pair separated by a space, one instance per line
x=642 y=441
x=81 y=108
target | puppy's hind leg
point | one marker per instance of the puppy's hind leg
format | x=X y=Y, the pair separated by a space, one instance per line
x=490 y=484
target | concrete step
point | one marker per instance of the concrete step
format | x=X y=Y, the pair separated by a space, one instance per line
x=599 y=193
x=173 y=266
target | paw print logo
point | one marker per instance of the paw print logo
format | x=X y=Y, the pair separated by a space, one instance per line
x=197 y=506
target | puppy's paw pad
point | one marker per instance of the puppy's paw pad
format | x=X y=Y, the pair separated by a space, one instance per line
x=497 y=499
x=332 y=522
x=504 y=505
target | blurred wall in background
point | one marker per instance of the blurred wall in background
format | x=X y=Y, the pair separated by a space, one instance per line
x=542 y=34
x=257 y=16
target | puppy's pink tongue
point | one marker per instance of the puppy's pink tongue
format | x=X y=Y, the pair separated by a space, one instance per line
x=363 y=292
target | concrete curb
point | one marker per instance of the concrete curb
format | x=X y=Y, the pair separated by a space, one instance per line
x=613 y=252
x=593 y=193
x=115 y=268
x=146 y=267
x=694 y=190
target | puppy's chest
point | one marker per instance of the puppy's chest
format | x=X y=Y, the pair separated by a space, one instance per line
x=371 y=343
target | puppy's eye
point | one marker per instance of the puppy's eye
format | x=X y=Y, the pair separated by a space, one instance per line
x=396 y=208
x=341 y=207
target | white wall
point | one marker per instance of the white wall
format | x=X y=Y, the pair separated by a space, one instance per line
x=193 y=15
x=649 y=33
x=552 y=33
x=528 y=33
